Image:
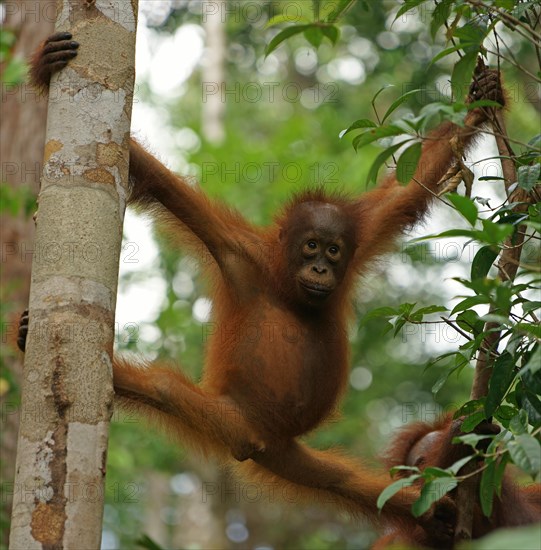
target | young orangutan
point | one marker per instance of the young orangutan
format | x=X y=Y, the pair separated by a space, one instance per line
x=277 y=363
x=423 y=444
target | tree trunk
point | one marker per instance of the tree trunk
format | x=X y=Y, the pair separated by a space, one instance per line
x=67 y=395
x=213 y=105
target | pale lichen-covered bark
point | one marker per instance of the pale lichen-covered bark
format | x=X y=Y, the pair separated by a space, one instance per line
x=67 y=390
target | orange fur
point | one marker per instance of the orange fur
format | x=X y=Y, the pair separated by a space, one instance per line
x=263 y=386
x=277 y=363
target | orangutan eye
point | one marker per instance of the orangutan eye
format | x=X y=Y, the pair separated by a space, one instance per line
x=334 y=253
x=310 y=248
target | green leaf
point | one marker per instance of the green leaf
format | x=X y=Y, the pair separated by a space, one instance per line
x=534 y=212
x=432 y=492
x=399 y=323
x=285 y=18
x=535 y=142
x=439 y=16
x=395 y=104
x=331 y=32
x=407 y=163
x=469 y=408
x=15 y=200
x=500 y=380
x=530 y=402
x=528 y=176
x=381 y=158
x=470 y=321
x=284 y=35
x=433 y=471
x=458 y=465
x=500 y=466
x=430 y=309
x=504 y=295
x=506 y=4
x=407 y=6
x=486 y=488
x=394 y=488
x=462 y=75
x=378 y=312
x=386 y=329
x=471 y=35
x=473 y=420
x=401 y=468
x=314 y=35
x=519 y=423
x=374 y=134
x=534 y=362
x=445 y=53
x=480 y=286
x=482 y=262
x=461 y=360
x=531 y=306
x=382 y=89
x=494 y=233
x=440 y=383
x=501 y=320
x=530 y=328
x=406 y=308
x=362 y=123
x=525 y=451
x=469 y=302
x=465 y=206
x=470 y=439
x=504 y=414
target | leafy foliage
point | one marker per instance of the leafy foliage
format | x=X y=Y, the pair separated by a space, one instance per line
x=506 y=337
x=321 y=27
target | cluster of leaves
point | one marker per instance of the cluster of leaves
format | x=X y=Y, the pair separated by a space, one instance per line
x=508 y=336
x=514 y=390
x=315 y=31
x=515 y=386
x=406 y=131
